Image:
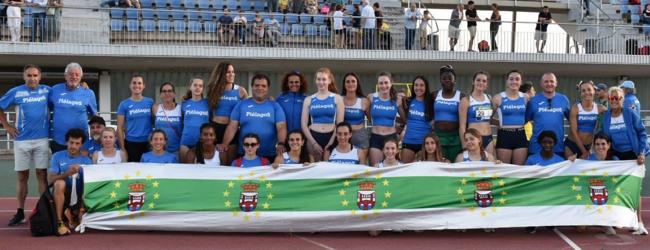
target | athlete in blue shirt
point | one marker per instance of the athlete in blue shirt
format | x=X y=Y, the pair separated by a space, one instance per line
x=625 y=128
x=357 y=108
x=602 y=149
x=631 y=101
x=341 y=151
x=30 y=134
x=296 y=150
x=547 y=111
x=158 y=154
x=66 y=176
x=475 y=110
x=320 y=114
x=445 y=109
x=71 y=104
x=384 y=107
x=419 y=115
x=258 y=115
x=196 y=111
x=294 y=87
x=546 y=156
x=168 y=117
x=223 y=96
x=510 y=106
x=134 y=120
x=582 y=120
x=251 y=143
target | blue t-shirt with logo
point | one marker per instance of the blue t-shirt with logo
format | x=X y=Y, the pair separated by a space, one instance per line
x=417 y=125
x=247 y=163
x=137 y=117
x=32 y=121
x=166 y=157
x=71 y=109
x=60 y=163
x=260 y=119
x=291 y=103
x=537 y=159
x=548 y=114
x=195 y=114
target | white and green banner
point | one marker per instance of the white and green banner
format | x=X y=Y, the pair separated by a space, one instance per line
x=334 y=197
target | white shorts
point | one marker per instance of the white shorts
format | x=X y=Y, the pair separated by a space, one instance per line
x=454 y=32
x=472 y=31
x=540 y=35
x=32 y=152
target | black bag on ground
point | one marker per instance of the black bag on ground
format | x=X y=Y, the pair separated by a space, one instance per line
x=42 y=222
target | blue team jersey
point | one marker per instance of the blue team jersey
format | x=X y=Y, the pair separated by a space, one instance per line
x=355 y=115
x=382 y=112
x=632 y=102
x=286 y=159
x=548 y=115
x=260 y=119
x=170 y=122
x=244 y=163
x=71 y=109
x=618 y=134
x=587 y=119
x=512 y=112
x=228 y=100
x=60 y=163
x=417 y=125
x=137 y=117
x=537 y=159
x=592 y=157
x=323 y=111
x=91 y=146
x=479 y=111
x=446 y=109
x=291 y=103
x=195 y=114
x=32 y=120
x=166 y=157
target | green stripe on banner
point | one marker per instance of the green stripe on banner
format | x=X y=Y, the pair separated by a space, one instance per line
x=151 y=194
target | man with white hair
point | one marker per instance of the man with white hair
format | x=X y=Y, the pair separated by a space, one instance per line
x=368 y=25
x=71 y=105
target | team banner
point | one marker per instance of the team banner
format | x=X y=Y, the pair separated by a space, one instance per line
x=334 y=197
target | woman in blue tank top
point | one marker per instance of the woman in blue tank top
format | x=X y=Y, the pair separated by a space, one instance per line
x=583 y=118
x=134 y=120
x=168 y=117
x=475 y=110
x=341 y=151
x=295 y=152
x=320 y=114
x=196 y=111
x=223 y=95
x=294 y=87
x=419 y=115
x=356 y=110
x=445 y=109
x=384 y=107
x=510 y=108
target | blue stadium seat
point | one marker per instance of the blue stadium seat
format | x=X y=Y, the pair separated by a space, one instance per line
x=177 y=14
x=132 y=13
x=296 y=30
x=245 y=5
x=146 y=3
x=279 y=16
x=132 y=25
x=116 y=24
x=319 y=19
x=218 y=4
x=250 y=16
x=175 y=4
x=291 y=18
x=646 y=29
x=208 y=15
x=232 y=5
x=148 y=25
x=324 y=32
x=116 y=13
x=160 y=3
x=148 y=14
x=305 y=18
x=193 y=15
x=636 y=18
x=210 y=27
x=163 y=26
x=194 y=26
x=259 y=4
x=190 y=4
x=179 y=26
x=285 y=29
x=205 y=4
x=311 y=30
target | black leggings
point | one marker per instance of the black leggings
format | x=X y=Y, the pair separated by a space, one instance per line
x=135 y=150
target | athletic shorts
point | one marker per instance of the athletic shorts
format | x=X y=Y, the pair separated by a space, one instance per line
x=135 y=150
x=472 y=31
x=321 y=138
x=540 y=35
x=454 y=33
x=574 y=146
x=377 y=141
x=413 y=147
x=449 y=144
x=31 y=152
x=360 y=138
x=221 y=131
x=512 y=139
x=627 y=155
x=485 y=140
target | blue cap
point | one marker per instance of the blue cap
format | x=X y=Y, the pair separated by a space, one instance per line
x=627 y=84
x=601 y=86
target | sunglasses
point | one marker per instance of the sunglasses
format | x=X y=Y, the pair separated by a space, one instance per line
x=249 y=145
x=615 y=98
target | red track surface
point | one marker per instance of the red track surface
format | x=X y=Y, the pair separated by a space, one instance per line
x=19 y=238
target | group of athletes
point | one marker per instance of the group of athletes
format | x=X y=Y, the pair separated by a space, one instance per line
x=229 y=127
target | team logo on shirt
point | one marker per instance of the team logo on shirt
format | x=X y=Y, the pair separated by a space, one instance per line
x=136 y=196
x=483 y=194
x=366 y=195
x=248 y=197
x=598 y=191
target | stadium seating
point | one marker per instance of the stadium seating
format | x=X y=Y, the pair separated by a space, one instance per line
x=305 y=18
x=132 y=25
x=291 y=18
x=132 y=13
x=194 y=27
x=163 y=26
x=296 y=30
x=148 y=14
x=324 y=31
x=160 y=3
x=179 y=26
x=259 y=4
x=148 y=25
x=210 y=27
x=117 y=13
x=311 y=30
x=193 y=15
x=190 y=4
x=319 y=19
x=285 y=29
x=177 y=14
x=208 y=16
x=146 y=3
x=205 y=4
x=116 y=25
x=175 y=4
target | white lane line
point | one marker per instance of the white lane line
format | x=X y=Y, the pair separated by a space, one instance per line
x=567 y=240
x=314 y=242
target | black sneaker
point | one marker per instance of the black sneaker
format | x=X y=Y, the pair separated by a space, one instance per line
x=18 y=219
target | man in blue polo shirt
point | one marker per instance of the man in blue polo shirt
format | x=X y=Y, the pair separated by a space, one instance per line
x=71 y=104
x=30 y=134
x=66 y=176
x=97 y=125
x=258 y=115
x=547 y=111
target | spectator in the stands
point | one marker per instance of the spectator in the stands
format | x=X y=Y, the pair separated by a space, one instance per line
x=383 y=37
x=38 y=19
x=272 y=29
x=495 y=23
x=631 y=101
x=14 y=19
x=543 y=19
x=369 y=25
x=472 y=17
x=272 y=5
x=646 y=14
x=339 y=36
x=297 y=6
x=226 y=27
x=133 y=3
x=424 y=28
x=258 y=26
x=312 y=7
x=53 y=14
x=354 y=35
x=454 y=25
x=240 y=24
x=410 y=24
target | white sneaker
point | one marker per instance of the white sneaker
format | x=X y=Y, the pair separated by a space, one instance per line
x=640 y=230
